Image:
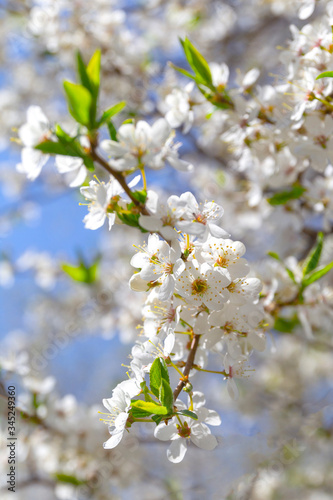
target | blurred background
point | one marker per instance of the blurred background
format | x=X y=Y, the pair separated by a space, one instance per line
x=63 y=342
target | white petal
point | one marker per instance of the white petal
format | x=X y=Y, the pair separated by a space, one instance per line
x=113 y=441
x=207 y=416
x=166 y=432
x=232 y=389
x=169 y=343
x=80 y=177
x=32 y=162
x=113 y=148
x=138 y=284
x=177 y=450
x=160 y=132
x=217 y=231
x=204 y=441
x=66 y=164
x=167 y=288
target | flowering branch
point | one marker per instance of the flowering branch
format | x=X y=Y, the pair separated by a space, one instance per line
x=189 y=365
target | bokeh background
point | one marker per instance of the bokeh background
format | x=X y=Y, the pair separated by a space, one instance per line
x=62 y=342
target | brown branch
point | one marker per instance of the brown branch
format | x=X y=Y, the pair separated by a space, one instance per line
x=188 y=366
x=117 y=175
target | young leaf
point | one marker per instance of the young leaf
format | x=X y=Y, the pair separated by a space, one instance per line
x=82 y=72
x=53 y=148
x=112 y=131
x=82 y=273
x=66 y=478
x=286 y=325
x=158 y=371
x=157 y=419
x=138 y=413
x=325 y=74
x=284 y=196
x=183 y=72
x=93 y=72
x=188 y=413
x=197 y=62
x=140 y=195
x=111 y=112
x=166 y=395
x=291 y=275
x=313 y=258
x=79 y=102
x=150 y=407
x=145 y=390
x=274 y=255
x=316 y=275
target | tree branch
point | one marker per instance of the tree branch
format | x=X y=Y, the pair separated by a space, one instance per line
x=188 y=366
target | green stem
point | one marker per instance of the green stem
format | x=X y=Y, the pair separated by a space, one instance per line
x=210 y=371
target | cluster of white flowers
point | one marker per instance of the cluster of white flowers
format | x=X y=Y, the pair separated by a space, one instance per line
x=263 y=151
x=197 y=285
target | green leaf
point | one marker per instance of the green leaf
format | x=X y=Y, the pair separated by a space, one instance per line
x=111 y=112
x=53 y=148
x=129 y=120
x=93 y=72
x=284 y=196
x=188 y=413
x=157 y=419
x=328 y=74
x=138 y=413
x=79 y=102
x=140 y=195
x=183 y=72
x=89 y=163
x=197 y=62
x=158 y=371
x=82 y=72
x=66 y=478
x=286 y=325
x=82 y=273
x=290 y=273
x=316 y=275
x=274 y=255
x=112 y=131
x=313 y=258
x=151 y=407
x=145 y=390
x=166 y=395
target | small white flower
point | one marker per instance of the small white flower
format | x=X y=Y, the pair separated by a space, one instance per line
x=142 y=144
x=180 y=112
x=226 y=254
x=201 y=284
x=144 y=354
x=33 y=132
x=160 y=263
x=118 y=406
x=161 y=219
x=74 y=169
x=235 y=369
x=190 y=430
x=101 y=197
x=198 y=220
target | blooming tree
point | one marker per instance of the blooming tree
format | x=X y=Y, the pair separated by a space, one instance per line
x=204 y=308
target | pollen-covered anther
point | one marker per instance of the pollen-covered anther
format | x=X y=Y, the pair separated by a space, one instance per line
x=199 y=286
x=222 y=261
x=168 y=268
x=201 y=218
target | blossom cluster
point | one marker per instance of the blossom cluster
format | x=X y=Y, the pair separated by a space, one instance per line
x=260 y=146
x=197 y=284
